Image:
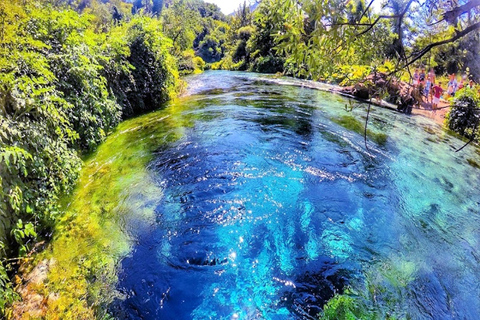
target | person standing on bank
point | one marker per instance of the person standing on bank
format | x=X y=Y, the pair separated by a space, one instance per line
x=429 y=84
x=452 y=85
x=416 y=78
x=437 y=93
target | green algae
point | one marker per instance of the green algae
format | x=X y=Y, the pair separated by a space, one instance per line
x=351 y=123
x=344 y=307
x=88 y=242
x=473 y=163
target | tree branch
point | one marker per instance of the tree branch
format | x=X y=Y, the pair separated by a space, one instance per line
x=452 y=15
x=424 y=51
x=366 y=10
x=396 y=16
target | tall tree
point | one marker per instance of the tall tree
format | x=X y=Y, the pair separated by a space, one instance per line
x=181 y=24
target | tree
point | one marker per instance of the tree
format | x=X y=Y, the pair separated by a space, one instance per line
x=153 y=7
x=181 y=24
x=333 y=28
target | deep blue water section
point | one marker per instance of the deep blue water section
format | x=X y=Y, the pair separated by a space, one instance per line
x=269 y=208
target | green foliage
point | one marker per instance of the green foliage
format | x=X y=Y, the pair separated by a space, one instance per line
x=350 y=74
x=227 y=63
x=318 y=39
x=199 y=64
x=188 y=63
x=65 y=82
x=242 y=17
x=8 y=293
x=78 y=74
x=149 y=7
x=154 y=78
x=206 y=10
x=464 y=117
x=181 y=24
x=211 y=43
x=268 y=64
x=262 y=43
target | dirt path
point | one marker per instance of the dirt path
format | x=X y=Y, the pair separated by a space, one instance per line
x=437 y=115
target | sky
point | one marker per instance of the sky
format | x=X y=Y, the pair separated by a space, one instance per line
x=227 y=6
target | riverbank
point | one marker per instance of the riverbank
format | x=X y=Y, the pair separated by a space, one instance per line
x=424 y=110
x=438 y=115
x=59 y=109
x=75 y=277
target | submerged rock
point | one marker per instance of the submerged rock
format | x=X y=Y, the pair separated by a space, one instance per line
x=33 y=304
x=314 y=288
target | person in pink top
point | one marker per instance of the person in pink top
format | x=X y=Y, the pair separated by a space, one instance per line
x=437 y=93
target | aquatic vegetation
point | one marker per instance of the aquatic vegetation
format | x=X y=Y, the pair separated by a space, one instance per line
x=473 y=163
x=352 y=123
x=344 y=307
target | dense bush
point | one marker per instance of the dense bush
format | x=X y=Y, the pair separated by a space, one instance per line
x=63 y=87
x=154 y=77
x=211 y=42
x=268 y=64
x=464 y=116
x=188 y=63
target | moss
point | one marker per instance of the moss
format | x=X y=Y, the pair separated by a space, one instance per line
x=351 y=123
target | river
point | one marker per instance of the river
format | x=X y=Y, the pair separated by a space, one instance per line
x=256 y=198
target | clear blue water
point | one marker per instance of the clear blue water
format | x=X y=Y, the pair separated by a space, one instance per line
x=268 y=208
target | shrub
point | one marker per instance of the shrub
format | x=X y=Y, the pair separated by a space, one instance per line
x=63 y=88
x=154 y=78
x=199 y=63
x=78 y=76
x=268 y=64
x=188 y=63
x=464 y=116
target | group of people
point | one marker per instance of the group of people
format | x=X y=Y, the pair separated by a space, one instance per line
x=432 y=90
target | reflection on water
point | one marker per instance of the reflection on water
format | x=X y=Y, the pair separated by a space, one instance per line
x=266 y=208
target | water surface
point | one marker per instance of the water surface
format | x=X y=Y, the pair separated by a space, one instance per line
x=258 y=201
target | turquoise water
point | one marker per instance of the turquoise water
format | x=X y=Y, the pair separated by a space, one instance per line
x=266 y=208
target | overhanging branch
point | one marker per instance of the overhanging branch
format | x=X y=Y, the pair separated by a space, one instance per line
x=424 y=51
x=452 y=15
x=397 y=16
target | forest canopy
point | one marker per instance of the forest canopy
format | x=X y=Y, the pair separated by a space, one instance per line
x=332 y=40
